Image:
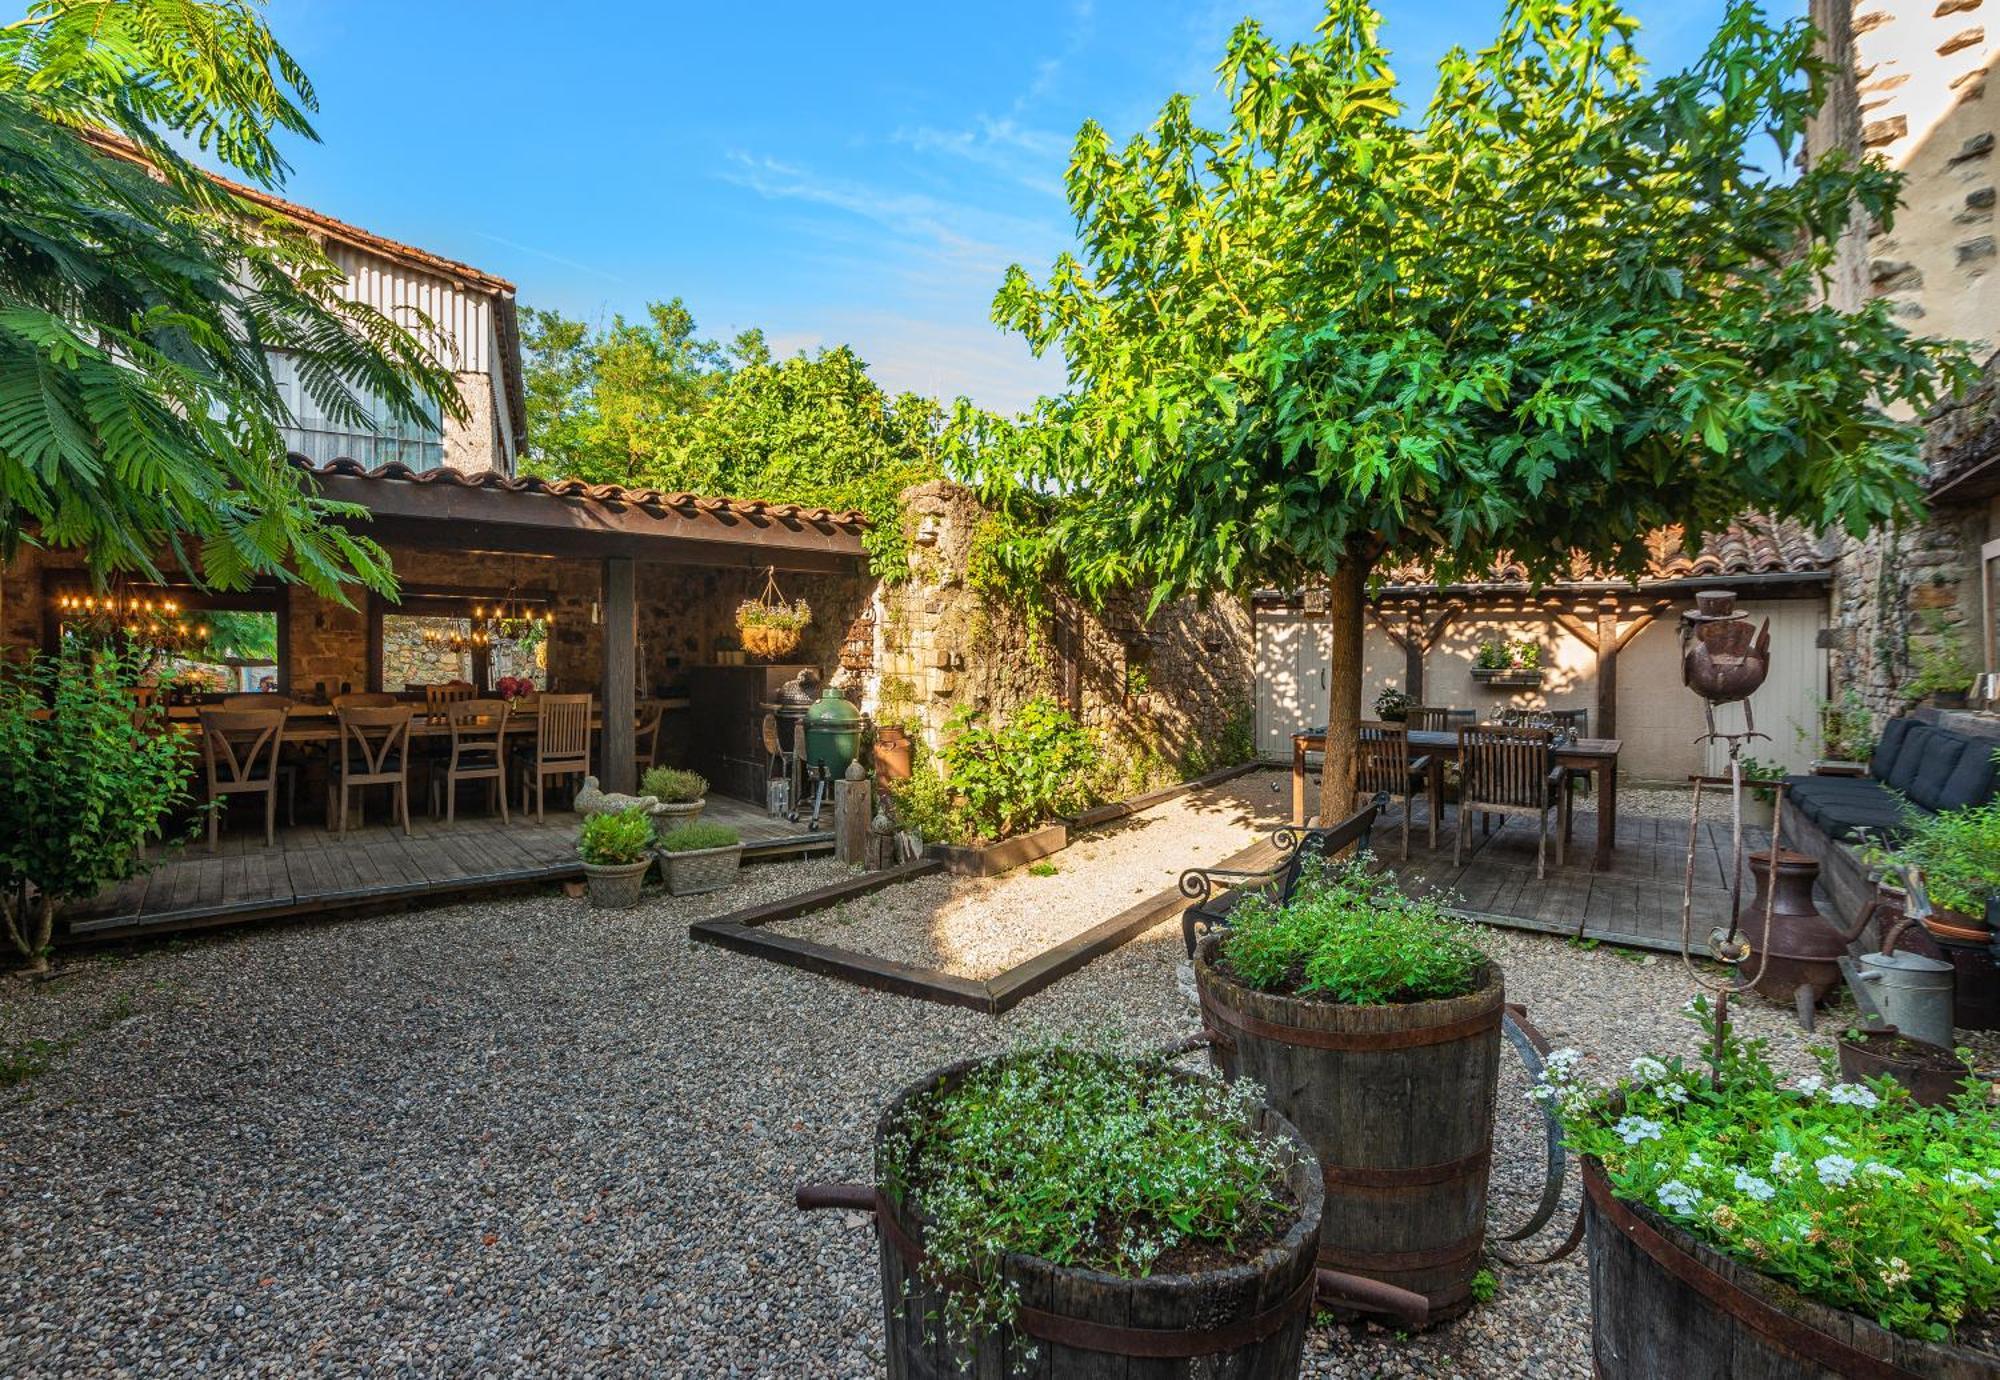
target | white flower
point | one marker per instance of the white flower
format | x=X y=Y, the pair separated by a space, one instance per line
x=1851 y=1095
x=1965 y=1178
x=1879 y=1170
x=1835 y=1171
x=1810 y=1084
x=1562 y=1060
x=1756 y=1189
x=1648 y=1069
x=1895 y=1270
x=1676 y=1196
x=1672 y=1092
x=1785 y=1165
x=1634 y=1129
x=1695 y=1161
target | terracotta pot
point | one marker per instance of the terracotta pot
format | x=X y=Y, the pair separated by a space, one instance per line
x=892 y=754
x=1931 y=1074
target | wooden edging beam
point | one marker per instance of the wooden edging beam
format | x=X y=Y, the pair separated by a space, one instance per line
x=740 y=931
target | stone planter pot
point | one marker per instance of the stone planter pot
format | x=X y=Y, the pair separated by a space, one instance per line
x=697 y=870
x=1397 y=1102
x=616 y=886
x=1663 y=1303
x=668 y=817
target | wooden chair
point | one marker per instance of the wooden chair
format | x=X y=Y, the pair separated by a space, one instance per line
x=1383 y=767
x=562 y=744
x=365 y=699
x=372 y=749
x=239 y=753
x=1428 y=718
x=439 y=698
x=646 y=735
x=1510 y=771
x=478 y=753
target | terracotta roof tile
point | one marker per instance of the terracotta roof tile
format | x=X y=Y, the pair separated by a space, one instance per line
x=1753 y=545
x=395 y=472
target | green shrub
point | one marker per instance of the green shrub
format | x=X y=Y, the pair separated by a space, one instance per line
x=1846 y=729
x=1938 y=661
x=700 y=834
x=1351 y=936
x=1234 y=743
x=83 y=787
x=1082 y=1159
x=1851 y=1194
x=998 y=781
x=608 y=840
x=1959 y=851
x=672 y=786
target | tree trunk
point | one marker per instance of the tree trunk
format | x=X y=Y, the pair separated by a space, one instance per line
x=31 y=924
x=1343 y=701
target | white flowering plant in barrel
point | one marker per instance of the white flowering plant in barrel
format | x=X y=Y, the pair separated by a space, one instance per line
x=1852 y=1194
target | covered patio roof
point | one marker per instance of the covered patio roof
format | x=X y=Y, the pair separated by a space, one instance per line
x=488 y=511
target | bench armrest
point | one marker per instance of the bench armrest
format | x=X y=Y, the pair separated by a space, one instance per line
x=1201 y=883
x=1835 y=768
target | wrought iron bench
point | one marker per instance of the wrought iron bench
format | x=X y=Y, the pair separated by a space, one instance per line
x=1217 y=891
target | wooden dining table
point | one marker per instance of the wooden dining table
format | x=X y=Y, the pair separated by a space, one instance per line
x=1598 y=756
x=312 y=723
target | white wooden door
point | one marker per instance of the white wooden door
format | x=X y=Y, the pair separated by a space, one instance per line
x=1786 y=705
x=1291 y=679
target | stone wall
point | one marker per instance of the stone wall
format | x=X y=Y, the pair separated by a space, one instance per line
x=473 y=444
x=1159 y=689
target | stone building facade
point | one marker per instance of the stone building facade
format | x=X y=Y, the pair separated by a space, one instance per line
x=1911 y=87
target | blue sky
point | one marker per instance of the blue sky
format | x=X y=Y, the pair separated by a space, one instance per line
x=859 y=173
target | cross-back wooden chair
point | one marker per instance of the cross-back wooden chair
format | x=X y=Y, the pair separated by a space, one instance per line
x=365 y=699
x=562 y=743
x=1510 y=771
x=646 y=734
x=1383 y=767
x=239 y=753
x=478 y=753
x=1429 y=718
x=256 y=701
x=373 y=749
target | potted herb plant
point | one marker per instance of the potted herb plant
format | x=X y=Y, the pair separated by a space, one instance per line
x=681 y=795
x=700 y=857
x=1508 y=662
x=1741 y=1227
x=1374 y=1019
x=1073 y=1210
x=1393 y=705
x=617 y=852
x=1959 y=852
x=1760 y=801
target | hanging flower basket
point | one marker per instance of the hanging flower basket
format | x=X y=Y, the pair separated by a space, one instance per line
x=770 y=625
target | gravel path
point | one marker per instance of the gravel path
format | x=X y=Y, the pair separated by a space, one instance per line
x=524 y=1138
x=979 y=927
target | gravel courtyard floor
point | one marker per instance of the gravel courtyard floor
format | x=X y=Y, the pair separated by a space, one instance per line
x=977 y=927
x=521 y=1137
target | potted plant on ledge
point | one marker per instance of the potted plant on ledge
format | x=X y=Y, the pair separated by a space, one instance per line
x=1393 y=706
x=1512 y=663
x=617 y=852
x=1349 y=991
x=1739 y=1227
x=681 y=795
x=700 y=857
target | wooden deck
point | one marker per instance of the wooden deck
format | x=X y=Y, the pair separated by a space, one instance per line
x=313 y=870
x=1635 y=901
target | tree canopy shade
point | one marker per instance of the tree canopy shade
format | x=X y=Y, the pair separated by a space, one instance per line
x=139 y=299
x=1555 y=312
x=651 y=403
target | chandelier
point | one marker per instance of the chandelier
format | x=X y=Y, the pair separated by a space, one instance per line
x=510 y=619
x=150 y=621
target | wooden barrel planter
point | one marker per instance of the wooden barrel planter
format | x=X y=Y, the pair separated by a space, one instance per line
x=1662 y=1303
x=1397 y=1103
x=1246 y=1318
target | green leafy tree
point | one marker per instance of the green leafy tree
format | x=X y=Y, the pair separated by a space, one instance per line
x=1552 y=313
x=139 y=298
x=86 y=777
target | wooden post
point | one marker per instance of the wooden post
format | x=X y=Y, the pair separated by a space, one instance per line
x=852 y=813
x=1414 y=648
x=621 y=643
x=1607 y=669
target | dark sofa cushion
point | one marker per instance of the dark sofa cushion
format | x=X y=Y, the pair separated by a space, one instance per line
x=1972 y=782
x=1909 y=757
x=1940 y=759
x=1887 y=748
x=1841 y=806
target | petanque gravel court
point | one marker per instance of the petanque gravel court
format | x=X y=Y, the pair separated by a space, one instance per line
x=522 y=1137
